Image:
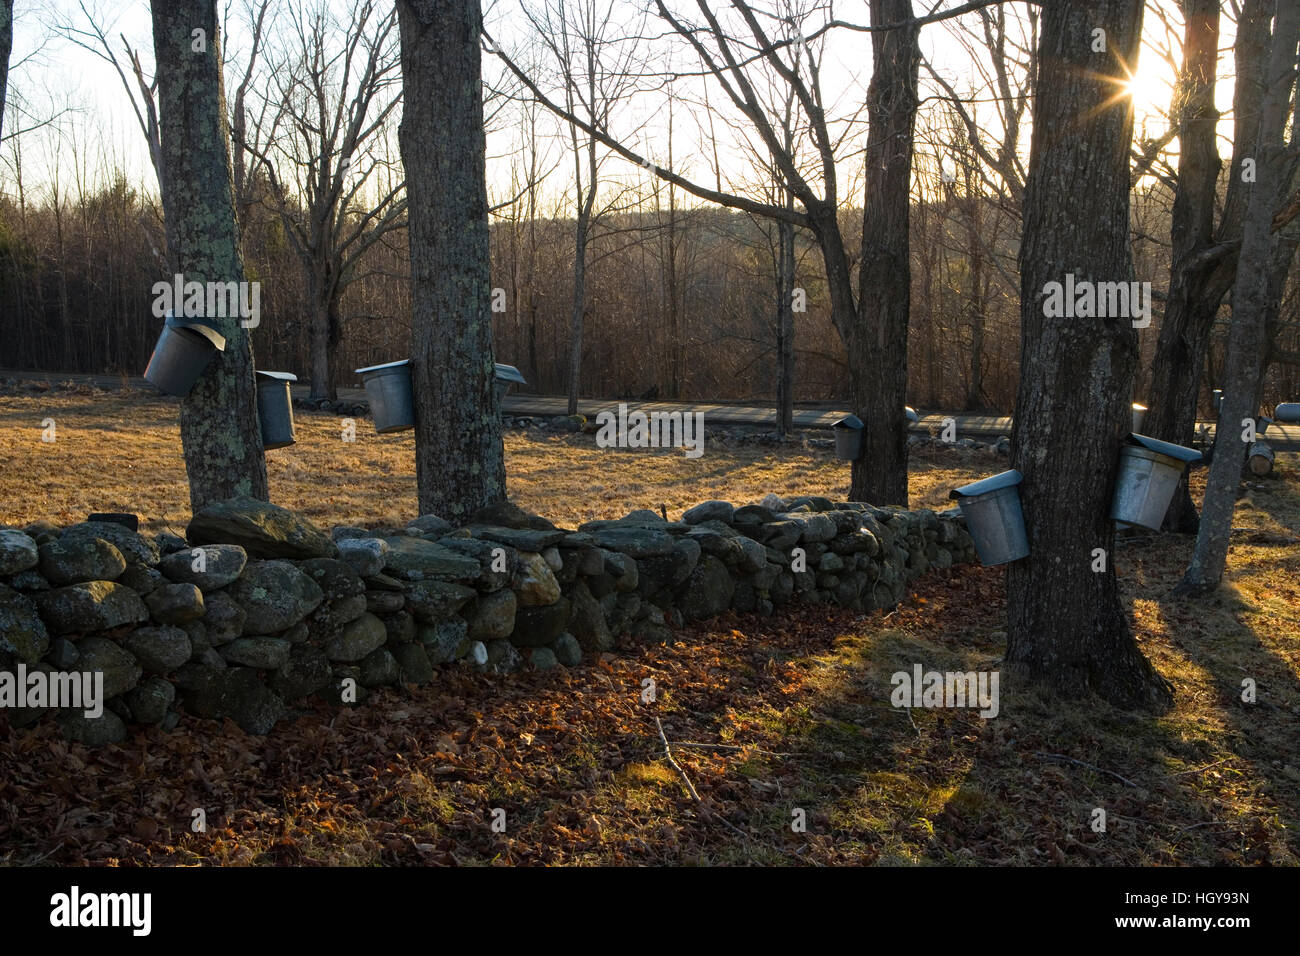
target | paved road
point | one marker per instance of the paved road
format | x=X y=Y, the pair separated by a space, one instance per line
x=1281 y=437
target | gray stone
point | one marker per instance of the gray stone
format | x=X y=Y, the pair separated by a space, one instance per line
x=237 y=693
x=430 y=524
x=378 y=669
x=275 y=596
x=521 y=539
x=81 y=558
x=262 y=529
x=400 y=628
x=493 y=615
x=223 y=618
x=567 y=650
x=168 y=543
x=551 y=555
x=502 y=657
x=18 y=552
x=543 y=659
x=62 y=655
x=141 y=579
x=336 y=578
x=264 y=653
x=160 y=650
x=752 y=554
x=635 y=542
x=30 y=580
x=91 y=606
x=120 y=669
x=444 y=641
x=175 y=604
x=534 y=582
x=587 y=621
x=384 y=602
x=506 y=514
x=22 y=632
x=307 y=671
x=538 y=626
x=414 y=559
x=708 y=590
x=434 y=600
x=135 y=548
x=712 y=510
x=413 y=664
x=220 y=564
x=357 y=639
x=150 y=700
x=496 y=561
x=364 y=555
x=107 y=728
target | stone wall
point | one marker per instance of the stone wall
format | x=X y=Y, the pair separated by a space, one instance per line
x=259 y=610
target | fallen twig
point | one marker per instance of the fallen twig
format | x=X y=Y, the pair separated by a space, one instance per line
x=1090 y=766
x=1199 y=769
x=668 y=752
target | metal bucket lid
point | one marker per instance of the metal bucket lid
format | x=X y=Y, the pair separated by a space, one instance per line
x=381 y=368
x=1139 y=408
x=910 y=412
x=214 y=338
x=850 y=421
x=1006 y=479
x=277 y=376
x=508 y=373
x=1166 y=448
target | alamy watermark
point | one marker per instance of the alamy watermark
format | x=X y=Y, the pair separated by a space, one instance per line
x=1085 y=299
x=922 y=688
x=82 y=690
x=636 y=429
x=209 y=300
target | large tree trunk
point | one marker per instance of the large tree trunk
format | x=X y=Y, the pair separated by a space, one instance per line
x=322 y=340
x=1066 y=626
x=1198 y=279
x=219 y=426
x=1250 y=310
x=975 y=247
x=459 y=465
x=579 y=308
x=878 y=349
x=6 y=44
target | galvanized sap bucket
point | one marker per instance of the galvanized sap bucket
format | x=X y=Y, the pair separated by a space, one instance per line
x=1216 y=399
x=183 y=351
x=848 y=438
x=274 y=408
x=910 y=412
x=993 y=517
x=1287 y=412
x=1149 y=470
x=1139 y=413
x=506 y=375
x=388 y=387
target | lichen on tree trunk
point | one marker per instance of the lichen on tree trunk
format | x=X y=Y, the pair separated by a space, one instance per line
x=219 y=425
x=459 y=463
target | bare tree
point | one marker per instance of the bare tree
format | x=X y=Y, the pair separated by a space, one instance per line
x=1252 y=297
x=866 y=314
x=6 y=45
x=322 y=156
x=1066 y=626
x=459 y=463
x=219 y=425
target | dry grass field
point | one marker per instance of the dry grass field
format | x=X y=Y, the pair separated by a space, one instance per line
x=120 y=451
x=768 y=715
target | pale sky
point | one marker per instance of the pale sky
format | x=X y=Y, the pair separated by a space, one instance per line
x=100 y=122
